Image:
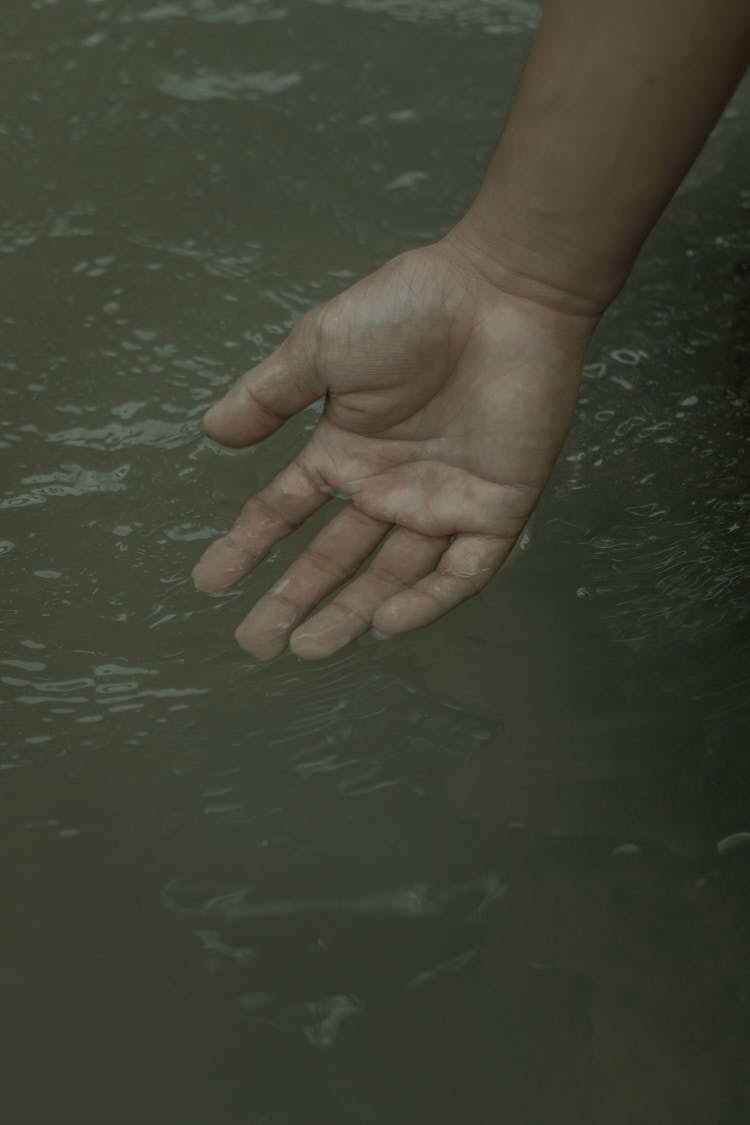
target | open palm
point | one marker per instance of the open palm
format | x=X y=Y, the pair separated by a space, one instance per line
x=446 y=403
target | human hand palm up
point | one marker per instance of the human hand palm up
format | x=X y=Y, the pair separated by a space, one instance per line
x=447 y=401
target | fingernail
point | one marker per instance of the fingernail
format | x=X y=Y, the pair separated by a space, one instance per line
x=378 y=636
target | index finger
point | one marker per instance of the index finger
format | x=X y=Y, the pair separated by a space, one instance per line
x=268 y=516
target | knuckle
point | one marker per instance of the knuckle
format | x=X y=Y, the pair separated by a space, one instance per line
x=350 y=611
x=388 y=577
x=305 y=332
x=327 y=565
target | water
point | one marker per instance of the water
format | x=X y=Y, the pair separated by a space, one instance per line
x=493 y=872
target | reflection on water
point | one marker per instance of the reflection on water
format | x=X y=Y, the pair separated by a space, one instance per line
x=492 y=873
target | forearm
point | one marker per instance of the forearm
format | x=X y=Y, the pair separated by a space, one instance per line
x=616 y=100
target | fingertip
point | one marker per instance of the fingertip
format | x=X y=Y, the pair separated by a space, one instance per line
x=221 y=425
x=209 y=416
x=221 y=566
x=312 y=645
x=242 y=641
x=260 y=648
x=324 y=635
x=206 y=581
x=264 y=633
x=213 y=414
x=201 y=581
x=405 y=611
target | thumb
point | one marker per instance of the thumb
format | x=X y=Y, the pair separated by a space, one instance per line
x=266 y=396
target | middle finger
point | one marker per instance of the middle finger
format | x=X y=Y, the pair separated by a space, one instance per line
x=334 y=556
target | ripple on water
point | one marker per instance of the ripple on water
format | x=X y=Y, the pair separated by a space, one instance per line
x=98 y=694
x=264 y=957
x=510 y=16
x=69 y=480
x=664 y=491
x=208 y=85
x=206 y=11
x=661 y=576
x=116 y=435
x=327 y=718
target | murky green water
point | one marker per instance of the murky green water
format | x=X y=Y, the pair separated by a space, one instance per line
x=490 y=873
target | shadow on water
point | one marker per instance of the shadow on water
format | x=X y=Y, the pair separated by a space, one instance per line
x=493 y=873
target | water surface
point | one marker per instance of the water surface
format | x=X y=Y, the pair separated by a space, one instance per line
x=495 y=872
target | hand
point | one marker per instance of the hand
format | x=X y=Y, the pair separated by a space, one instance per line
x=446 y=402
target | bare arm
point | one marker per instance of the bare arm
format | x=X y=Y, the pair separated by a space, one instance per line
x=616 y=101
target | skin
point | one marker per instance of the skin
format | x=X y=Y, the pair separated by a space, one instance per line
x=450 y=374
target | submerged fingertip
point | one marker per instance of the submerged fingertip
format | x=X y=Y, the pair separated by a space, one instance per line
x=315 y=643
x=198 y=583
x=311 y=652
x=210 y=418
x=392 y=620
x=203 y=586
x=229 y=428
x=252 y=647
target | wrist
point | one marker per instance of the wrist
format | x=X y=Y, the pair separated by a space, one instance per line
x=526 y=260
